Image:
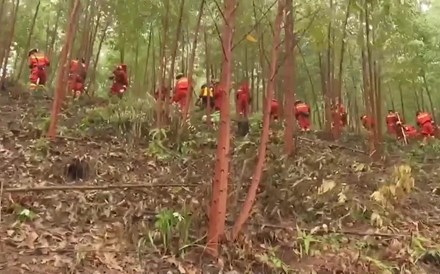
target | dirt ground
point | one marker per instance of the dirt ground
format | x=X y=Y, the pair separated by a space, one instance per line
x=314 y=213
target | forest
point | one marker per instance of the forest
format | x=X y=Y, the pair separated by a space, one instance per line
x=223 y=136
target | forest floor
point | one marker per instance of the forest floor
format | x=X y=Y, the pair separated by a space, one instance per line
x=315 y=213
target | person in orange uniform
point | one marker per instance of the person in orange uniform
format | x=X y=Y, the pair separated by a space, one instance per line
x=77 y=76
x=302 y=115
x=243 y=100
x=181 y=91
x=367 y=122
x=218 y=94
x=38 y=62
x=274 y=110
x=410 y=131
x=339 y=114
x=120 y=80
x=393 y=122
x=425 y=123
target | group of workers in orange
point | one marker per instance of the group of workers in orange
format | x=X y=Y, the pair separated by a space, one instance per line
x=210 y=96
x=39 y=62
x=397 y=127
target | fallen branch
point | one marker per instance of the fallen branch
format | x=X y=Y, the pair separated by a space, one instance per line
x=326 y=232
x=332 y=145
x=87 y=188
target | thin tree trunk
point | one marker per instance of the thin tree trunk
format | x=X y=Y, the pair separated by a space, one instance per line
x=431 y=104
x=28 y=41
x=217 y=214
x=207 y=56
x=312 y=88
x=163 y=64
x=289 y=79
x=174 y=52
x=95 y=63
x=193 y=58
x=147 y=60
x=9 y=43
x=62 y=74
x=402 y=105
x=256 y=177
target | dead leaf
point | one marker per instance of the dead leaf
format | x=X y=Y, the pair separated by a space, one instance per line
x=109 y=260
x=29 y=240
x=326 y=186
x=61 y=261
x=176 y=263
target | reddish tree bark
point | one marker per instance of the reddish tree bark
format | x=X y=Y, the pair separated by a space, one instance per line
x=264 y=139
x=60 y=89
x=289 y=80
x=217 y=215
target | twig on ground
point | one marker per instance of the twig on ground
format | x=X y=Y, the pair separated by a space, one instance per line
x=345 y=232
x=88 y=187
x=1 y=198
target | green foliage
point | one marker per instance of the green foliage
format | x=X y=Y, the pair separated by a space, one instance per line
x=40 y=148
x=402 y=183
x=26 y=215
x=171 y=231
x=130 y=117
x=274 y=262
x=156 y=147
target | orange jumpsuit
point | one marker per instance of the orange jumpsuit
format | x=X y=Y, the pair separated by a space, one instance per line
x=339 y=114
x=302 y=115
x=424 y=121
x=391 y=121
x=38 y=63
x=243 y=100
x=367 y=122
x=181 y=92
x=274 y=109
x=120 y=80
x=410 y=131
x=218 y=97
x=77 y=77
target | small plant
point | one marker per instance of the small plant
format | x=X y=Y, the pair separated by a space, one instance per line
x=41 y=147
x=156 y=147
x=26 y=215
x=304 y=241
x=402 y=184
x=168 y=226
x=272 y=261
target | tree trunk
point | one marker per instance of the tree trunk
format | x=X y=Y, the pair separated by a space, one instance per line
x=256 y=177
x=402 y=105
x=28 y=42
x=174 y=52
x=95 y=63
x=147 y=60
x=289 y=80
x=312 y=87
x=62 y=71
x=193 y=58
x=431 y=104
x=163 y=64
x=217 y=214
x=9 y=44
